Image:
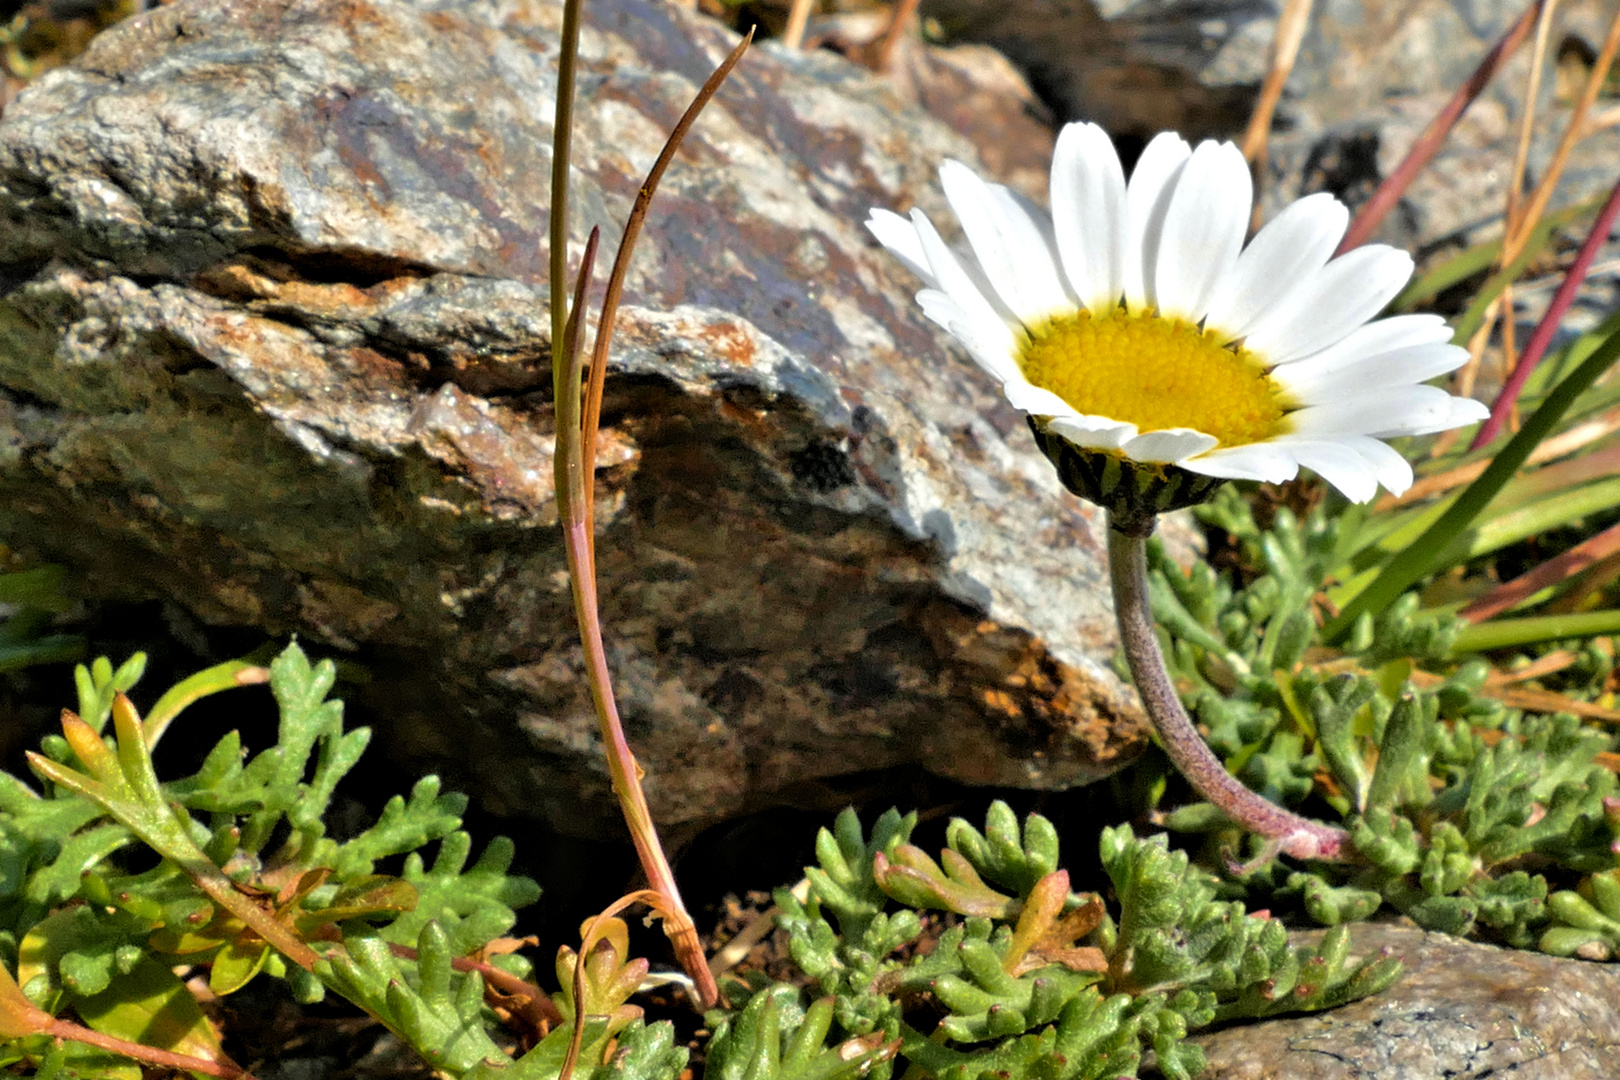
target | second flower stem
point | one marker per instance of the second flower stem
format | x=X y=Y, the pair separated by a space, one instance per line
x=1286 y=832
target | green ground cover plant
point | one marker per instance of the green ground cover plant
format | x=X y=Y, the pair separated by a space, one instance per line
x=1028 y=979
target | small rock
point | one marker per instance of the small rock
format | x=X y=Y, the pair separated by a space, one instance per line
x=1460 y=1011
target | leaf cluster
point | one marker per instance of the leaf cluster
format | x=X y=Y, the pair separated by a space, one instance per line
x=1019 y=976
x=1457 y=805
x=249 y=883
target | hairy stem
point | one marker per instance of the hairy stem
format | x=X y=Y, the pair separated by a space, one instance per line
x=1288 y=833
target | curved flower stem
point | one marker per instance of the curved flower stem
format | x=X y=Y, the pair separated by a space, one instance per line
x=1287 y=832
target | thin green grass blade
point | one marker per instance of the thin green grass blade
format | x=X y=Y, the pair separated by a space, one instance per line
x=1479 y=258
x=1523 y=508
x=1475 y=315
x=1498 y=531
x=1406 y=567
x=1513 y=633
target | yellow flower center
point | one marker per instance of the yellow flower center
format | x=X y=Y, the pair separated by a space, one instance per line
x=1155 y=373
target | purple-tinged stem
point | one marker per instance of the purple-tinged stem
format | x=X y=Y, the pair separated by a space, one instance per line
x=1434 y=136
x=1561 y=303
x=1287 y=832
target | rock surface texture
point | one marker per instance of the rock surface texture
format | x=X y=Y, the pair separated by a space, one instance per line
x=1461 y=1010
x=1370 y=76
x=273 y=345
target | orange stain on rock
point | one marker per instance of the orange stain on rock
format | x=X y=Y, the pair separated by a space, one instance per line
x=731 y=341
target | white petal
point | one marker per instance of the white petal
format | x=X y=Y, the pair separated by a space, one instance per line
x=1381 y=336
x=1336 y=463
x=1290 y=248
x=1089 y=215
x=900 y=237
x=1394 y=472
x=1404 y=410
x=1035 y=400
x=1466 y=411
x=1095 y=432
x=1029 y=233
x=1460 y=412
x=989 y=340
x=1204 y=227
x=1007 y=245
x=1256 y=461
x=1312 y=382
x=1334 y=301
x=1169 y=445
x=952 y=279
x=1147 y=198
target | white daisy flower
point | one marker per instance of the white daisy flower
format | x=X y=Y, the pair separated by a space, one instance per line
x=1134 y=326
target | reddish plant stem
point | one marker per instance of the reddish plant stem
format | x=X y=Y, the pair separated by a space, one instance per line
x=603 y=346
x=1434 y=136
x=1561 y=303
x=168 y=1059
x=577 y=527
x=577 y=426
x=1286 y=831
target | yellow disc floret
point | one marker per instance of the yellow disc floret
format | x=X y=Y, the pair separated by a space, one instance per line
x=1155 y=373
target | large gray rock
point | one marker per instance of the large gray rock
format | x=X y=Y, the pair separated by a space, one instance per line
x=1461 y=1010
x=1370 y=75
x=273 y=345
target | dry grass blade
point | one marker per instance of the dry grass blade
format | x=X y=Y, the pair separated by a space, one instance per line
x=1550 y=664
x=798 y=18
x=1434 y=136
x=899 y=22
x=1464 y=379
x=757 y=930
x=1595 y=81
x=1521 y=154
x=621 y=267
x=1538 y=701
x=1581 y=557
x=1515 y=236
x=1521 y=222
x=1545 y=701
x=1595 y=578
x=1291 y=24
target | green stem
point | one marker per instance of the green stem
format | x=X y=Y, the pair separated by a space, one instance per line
x=1286 y=831
x=561 y=156
x=1513 y=633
